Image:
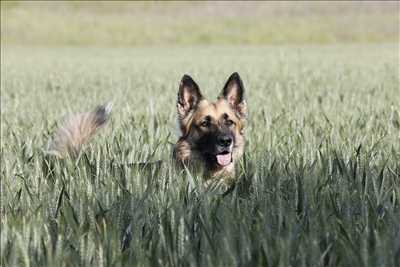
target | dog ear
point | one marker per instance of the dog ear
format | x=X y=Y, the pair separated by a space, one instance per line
x=233 y=92
x=189 y=96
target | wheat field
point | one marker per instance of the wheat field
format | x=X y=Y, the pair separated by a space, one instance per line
x=319 y=184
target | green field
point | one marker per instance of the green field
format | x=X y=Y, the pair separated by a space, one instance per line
x=319 y=185
x=124 y=23
x=320 y=181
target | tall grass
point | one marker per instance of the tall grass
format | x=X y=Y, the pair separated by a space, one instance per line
x=111 y=23
x=319 y=184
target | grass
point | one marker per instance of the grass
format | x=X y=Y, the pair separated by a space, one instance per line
x=187 y=23
x=319 y=183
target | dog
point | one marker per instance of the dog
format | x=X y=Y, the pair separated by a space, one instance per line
x=212 y=133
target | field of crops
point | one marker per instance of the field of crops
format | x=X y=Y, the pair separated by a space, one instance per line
x=123 y=23
x=319 y=184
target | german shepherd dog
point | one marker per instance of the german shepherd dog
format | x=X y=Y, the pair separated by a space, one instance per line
x=212 y=133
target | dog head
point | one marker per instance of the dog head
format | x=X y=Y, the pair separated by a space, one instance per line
x=213 y=131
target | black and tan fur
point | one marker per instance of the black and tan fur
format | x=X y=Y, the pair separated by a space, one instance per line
x=211 y=130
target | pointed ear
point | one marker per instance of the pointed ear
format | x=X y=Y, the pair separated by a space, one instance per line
x=233 y=92
x=189 y=96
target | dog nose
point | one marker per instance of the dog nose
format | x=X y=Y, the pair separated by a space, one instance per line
x=224 y=141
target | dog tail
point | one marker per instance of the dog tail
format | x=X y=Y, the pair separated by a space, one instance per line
x=77 y=130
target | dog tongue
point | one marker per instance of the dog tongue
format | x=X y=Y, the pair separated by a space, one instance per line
x=224 y=159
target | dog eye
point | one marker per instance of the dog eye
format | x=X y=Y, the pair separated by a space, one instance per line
x=205 y=123
x=229 y=122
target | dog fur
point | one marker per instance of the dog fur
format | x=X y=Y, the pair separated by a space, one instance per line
x=212 y=133
x=78 y=130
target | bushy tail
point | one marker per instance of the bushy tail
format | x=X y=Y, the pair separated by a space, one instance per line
x=77 y=130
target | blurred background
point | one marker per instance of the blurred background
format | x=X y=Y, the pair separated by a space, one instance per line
x=122 y=23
